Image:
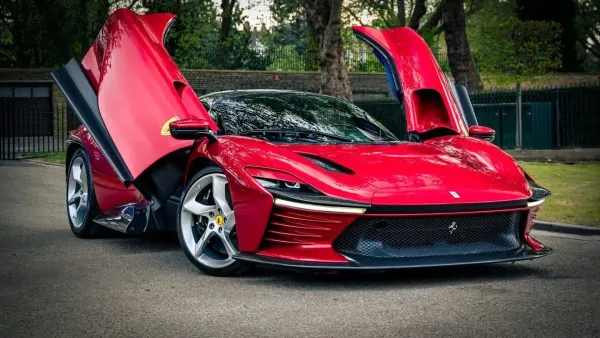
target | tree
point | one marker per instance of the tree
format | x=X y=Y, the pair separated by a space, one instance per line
x=292 y=29
x=324 y=19
x=42 y=33
x=562 y=12
x=460 y=59
x=393 y=13
x=588 y=27
x=424 y=16
x=516 y=51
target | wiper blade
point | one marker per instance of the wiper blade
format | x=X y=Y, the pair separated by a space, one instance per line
x=297 y=131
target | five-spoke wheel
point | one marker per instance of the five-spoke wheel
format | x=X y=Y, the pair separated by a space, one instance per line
x=77 y=192
x=81 y=202
x=206 y=224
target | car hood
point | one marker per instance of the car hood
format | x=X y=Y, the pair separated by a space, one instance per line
x=418 y=173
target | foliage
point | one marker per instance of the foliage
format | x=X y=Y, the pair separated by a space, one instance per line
x=195 y=29
x=46 y=33
x=588 y=28
x=516 y=50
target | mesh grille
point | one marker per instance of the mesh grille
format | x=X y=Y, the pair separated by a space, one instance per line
x=423 y=236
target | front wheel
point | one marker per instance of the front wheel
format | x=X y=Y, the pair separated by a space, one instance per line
x=206 y=224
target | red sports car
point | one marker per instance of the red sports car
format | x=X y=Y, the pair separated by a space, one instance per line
x=287 y=178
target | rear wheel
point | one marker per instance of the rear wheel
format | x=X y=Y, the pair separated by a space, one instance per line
x=81 y=200
x=206 y=224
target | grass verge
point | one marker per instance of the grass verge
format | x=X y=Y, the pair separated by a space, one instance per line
x=49 y=157
x=575 y=191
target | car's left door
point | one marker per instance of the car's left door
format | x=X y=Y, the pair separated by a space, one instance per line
x=136 y=91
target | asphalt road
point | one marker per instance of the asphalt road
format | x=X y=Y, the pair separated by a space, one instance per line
x=53 y=284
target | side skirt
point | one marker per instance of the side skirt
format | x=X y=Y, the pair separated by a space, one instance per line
x=134 y=218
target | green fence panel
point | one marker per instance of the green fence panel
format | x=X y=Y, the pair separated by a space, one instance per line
x=537 y=125
x=389 y=112
x=552 y=117
x=489 y=116
x=501 y=117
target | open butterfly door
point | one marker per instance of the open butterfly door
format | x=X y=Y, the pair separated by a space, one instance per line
x=416 y=80
x=127 y=90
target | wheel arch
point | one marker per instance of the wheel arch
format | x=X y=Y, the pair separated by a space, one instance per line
x=195 y=165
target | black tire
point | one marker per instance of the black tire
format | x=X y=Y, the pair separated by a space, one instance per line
x=234 y=269
x=88 y=228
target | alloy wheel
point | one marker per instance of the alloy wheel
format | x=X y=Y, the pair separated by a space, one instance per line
x=208 y=221
x=77 y=192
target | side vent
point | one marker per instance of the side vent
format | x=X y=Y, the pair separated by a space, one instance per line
x=327 y=164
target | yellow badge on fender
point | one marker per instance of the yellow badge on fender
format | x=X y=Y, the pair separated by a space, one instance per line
x=165 y=128
x=219 y=220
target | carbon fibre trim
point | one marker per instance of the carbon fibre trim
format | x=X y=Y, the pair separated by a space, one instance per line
x=360 y=263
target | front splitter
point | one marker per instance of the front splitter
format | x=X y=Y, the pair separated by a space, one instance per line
x=370 y=263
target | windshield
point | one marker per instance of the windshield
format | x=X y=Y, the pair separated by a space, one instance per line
x=290 y=117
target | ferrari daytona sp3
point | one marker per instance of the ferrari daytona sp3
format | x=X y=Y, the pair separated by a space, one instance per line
x=287 y=178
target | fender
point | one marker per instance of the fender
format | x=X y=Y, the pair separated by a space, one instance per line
x=484 y=156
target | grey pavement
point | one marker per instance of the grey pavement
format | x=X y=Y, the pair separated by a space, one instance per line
x=54 y=284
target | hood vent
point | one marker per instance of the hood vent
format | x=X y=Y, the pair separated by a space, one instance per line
x=327 y=164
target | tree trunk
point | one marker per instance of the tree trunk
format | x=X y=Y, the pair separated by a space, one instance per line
x=418 y=13
x=83 y=18
x=401 y=15
x=227 y=7
x=324 y=19
x=460 y=59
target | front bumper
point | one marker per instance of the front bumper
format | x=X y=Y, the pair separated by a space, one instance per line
x=368 y=263
x=306 y=237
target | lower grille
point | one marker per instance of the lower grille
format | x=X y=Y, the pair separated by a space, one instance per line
x=424 y=236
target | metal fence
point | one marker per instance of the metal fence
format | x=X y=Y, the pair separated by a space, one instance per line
x=27 y=130
x=287 y=58
x=551 y=118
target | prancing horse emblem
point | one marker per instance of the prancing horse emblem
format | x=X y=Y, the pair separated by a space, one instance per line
x=452 y=227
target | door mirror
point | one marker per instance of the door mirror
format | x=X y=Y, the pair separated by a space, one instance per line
x=191 y=129
x=482 y=132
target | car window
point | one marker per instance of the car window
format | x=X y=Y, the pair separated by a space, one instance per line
x=317 y=113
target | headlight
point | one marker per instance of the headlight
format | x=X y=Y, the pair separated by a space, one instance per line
x=279 y=182
x=281 y=186
x=290 y=191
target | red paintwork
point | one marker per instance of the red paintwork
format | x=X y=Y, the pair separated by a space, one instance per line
x=404 y=174
x=140 y=89
x=532 y=242
x=303 y=235
x=110 y=192
x=273 y=174
x=427 y=95
x=190 y=124
x=481 y=130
